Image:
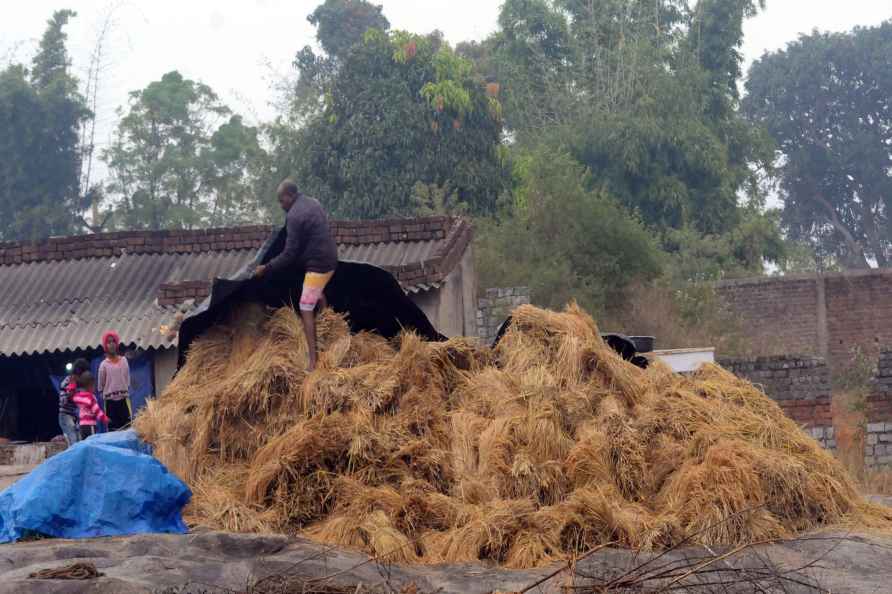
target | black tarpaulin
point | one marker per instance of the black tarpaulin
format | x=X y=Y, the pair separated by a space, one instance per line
x=370 y=298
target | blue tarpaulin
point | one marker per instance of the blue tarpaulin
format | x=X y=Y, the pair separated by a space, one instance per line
x=107 y=485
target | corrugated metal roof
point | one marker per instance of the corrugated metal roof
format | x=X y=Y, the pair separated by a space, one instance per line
x=390 y=254
x=57 y=305
x=63 y=306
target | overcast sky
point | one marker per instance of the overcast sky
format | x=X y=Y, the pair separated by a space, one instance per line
x=239 y=47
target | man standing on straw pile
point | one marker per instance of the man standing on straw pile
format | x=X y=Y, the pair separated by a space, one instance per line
x=310 y=250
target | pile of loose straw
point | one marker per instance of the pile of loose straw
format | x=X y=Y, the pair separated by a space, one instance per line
x=449 y=452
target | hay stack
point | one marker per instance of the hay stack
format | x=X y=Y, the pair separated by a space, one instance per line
x=449 y=452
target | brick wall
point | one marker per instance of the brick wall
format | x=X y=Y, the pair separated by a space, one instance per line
x=175 y=293
x=878 y=441
x=829 y=316
x=105 y=245
x=800 y=385
x=802 y=388
x=859 y=314
x=495 y=307
x=786 y=309
x=391 y=230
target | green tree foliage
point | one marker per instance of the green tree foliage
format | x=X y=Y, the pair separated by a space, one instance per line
x=565 y=241
x=431 y=200
x=173 y=166
x=643 y=97
x=642 y=93
x=401 y=109
x=341 y=24
x=40 y=115
x=826 y=101
x=235 y=157
x=716 y=35
x=664 y=158
x=697 y=258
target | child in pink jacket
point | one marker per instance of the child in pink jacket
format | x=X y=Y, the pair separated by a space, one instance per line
x=89 y=410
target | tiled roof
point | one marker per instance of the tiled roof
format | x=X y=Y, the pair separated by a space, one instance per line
x=61 y=294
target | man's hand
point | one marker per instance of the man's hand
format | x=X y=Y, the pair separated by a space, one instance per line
x=259 y=271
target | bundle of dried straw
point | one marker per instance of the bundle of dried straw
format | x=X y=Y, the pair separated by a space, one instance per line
x=445 y=452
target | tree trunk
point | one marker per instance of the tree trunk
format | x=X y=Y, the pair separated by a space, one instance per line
x=873 y=236
x=855 y=251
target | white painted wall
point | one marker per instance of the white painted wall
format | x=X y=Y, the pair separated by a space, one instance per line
x=685 y=360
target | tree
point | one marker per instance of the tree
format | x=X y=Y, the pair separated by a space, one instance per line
x=565 y=241
x=401 y=109
x=642 y=94
x=234 y=153
x=341 y=24
x=716 y=35
x=826 y=101
x=532 y=57
x=642 y=97
x=41 y=112
x=172 y=166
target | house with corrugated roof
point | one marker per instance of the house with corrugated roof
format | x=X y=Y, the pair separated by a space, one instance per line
x=58 y=296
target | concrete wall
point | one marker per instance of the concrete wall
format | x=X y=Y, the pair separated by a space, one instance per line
x=495 y=306
x=27 y=454
x=878 y=441
x=451 y=307
x=165 y=367
x=829 y=316
x=469 y=292
x=429 y=302
x=800 y=386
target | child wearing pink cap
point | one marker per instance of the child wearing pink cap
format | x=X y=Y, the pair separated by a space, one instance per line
x=114 y=382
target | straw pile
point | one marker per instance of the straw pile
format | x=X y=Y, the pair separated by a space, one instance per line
x=449 y=452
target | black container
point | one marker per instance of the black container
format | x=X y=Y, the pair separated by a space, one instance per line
x=643 y=344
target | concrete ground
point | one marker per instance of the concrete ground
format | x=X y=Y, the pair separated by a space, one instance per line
x=10 y=474
x=212 y=562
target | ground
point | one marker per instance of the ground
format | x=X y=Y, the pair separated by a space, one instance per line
x=10 y=474
x=212 y=562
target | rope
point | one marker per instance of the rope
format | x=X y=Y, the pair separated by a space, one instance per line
x=75 y=571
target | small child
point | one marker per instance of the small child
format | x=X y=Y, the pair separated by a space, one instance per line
x=86 y=403
x=68 y=410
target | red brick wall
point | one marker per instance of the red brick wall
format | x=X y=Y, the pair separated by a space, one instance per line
x=134 y=242
x=769 y=309
x=391 y=230
x=176 y=293
x=859 y=314
x=800 y=386
x=855 y=312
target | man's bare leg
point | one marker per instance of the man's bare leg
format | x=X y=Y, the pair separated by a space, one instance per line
x=309 y=321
